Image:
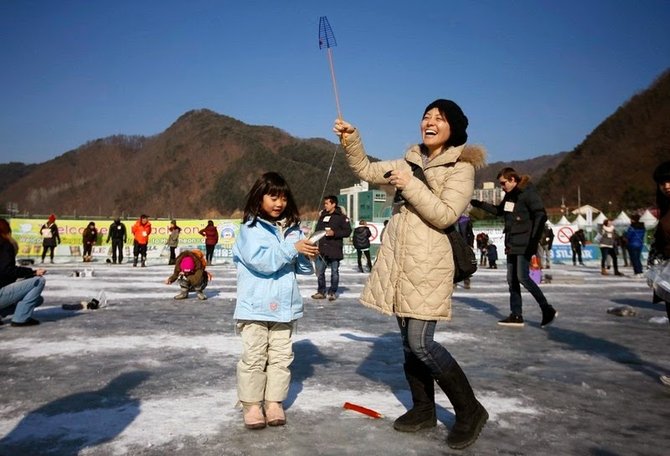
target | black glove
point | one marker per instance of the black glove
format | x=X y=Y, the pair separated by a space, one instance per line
x=475 y=203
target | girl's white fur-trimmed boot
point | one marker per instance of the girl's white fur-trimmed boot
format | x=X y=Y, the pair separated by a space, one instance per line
x=274 y=413
x=253 y=415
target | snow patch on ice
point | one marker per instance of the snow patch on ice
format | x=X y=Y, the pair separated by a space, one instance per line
x=213 y=344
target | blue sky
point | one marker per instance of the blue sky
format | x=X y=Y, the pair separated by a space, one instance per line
x=534 y=76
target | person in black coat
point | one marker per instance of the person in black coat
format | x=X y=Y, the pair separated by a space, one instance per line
x=50 y=237
x=17 y=297
x=524 y=216
x=577 y=241
x=464 y=227
x=482 y=244
x=492 y=255
x=118 y=234
x=89 y=238
x=361 y=241
x=337 y=227
x=544 y=249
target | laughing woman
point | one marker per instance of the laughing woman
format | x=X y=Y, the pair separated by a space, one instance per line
x=412 y=278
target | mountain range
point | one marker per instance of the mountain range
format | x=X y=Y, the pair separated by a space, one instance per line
x=204 y=164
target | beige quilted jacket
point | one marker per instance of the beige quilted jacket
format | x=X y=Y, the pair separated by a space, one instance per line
x=413 y=273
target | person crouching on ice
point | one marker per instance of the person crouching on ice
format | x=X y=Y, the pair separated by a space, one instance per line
x=190 y=272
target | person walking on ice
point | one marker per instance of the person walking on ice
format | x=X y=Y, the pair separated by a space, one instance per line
x=524 y=217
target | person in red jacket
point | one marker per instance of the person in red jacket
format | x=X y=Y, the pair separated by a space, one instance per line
x=141 y=231
x=211 y=239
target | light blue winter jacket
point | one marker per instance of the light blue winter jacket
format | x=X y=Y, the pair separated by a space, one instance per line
x=267 y=263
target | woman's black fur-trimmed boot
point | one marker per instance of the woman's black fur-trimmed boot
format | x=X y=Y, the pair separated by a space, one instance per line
x=470 y=414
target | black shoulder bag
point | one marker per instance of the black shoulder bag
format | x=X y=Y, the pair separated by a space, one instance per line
x=465 y=261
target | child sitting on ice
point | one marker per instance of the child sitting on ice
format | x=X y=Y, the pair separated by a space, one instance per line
x=189 y=272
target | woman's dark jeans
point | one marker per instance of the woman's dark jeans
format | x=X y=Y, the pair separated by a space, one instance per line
x=417 y=340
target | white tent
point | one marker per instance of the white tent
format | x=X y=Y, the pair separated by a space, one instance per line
x=563 y=221
x=600 y=219
x=583 y=210
x=580 y=221
x=649 y=220
x=622 y=219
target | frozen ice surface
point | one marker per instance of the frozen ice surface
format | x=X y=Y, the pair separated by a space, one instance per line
x=149 y=375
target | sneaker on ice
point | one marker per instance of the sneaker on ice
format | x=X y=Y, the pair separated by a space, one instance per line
x=512 y=320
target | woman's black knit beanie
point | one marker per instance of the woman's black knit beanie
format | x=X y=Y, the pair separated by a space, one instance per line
x=458 y=122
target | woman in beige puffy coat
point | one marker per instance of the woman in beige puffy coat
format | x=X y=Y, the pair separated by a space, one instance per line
x=412 y=277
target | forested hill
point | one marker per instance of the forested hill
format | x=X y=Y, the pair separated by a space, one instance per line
x=613 y=166
x=204 y=164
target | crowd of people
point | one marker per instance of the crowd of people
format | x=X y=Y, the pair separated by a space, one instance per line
x=117 y=235
x=271 y=249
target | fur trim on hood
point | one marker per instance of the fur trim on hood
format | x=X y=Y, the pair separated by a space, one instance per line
x=475 y=155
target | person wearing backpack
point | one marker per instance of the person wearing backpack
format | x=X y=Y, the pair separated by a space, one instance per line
x=50 y=237
x=413 y=275
x=361 y=241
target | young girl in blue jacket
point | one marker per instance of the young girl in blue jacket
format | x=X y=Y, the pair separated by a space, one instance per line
x=269 y=251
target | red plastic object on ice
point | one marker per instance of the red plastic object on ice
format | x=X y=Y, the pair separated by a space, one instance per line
x=360 y=409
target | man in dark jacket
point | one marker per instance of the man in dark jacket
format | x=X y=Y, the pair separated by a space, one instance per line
x=361 y=241
x=544 y=249
x=117 y=233
x=577 y=241
x=524 y=217
x=337 y=227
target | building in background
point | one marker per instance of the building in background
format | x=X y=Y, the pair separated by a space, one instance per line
x=359 y=202
x=489 y=193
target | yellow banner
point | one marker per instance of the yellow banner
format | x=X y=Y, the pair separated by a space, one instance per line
x=27 y=234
